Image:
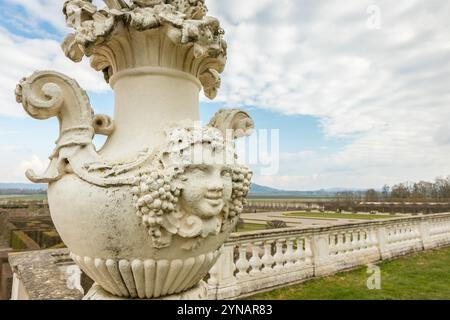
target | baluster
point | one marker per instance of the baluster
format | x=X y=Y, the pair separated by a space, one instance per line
x=404 y=233
x=364 y=240
x=308 y=251
x=347 y=243
x=279 y=256
x=411 y=237
x=355 y=240
x=340 y=243
x=369 y=240
x=373 y=237
x=410 y=233
x=344 y=243
x=359 y=240
x=415 y=233
x=255 y=261
x=393 y=235
x=267 y=258
x=242 y=263
x=299 y=253
x=289 y=254
x=333 y=248
x=213 y=276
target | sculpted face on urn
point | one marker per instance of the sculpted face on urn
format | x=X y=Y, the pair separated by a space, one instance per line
x=206 y=190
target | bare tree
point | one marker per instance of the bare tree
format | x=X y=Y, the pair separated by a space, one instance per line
x=371 y=196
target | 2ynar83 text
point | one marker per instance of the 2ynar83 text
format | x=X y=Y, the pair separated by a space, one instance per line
x=226 y=310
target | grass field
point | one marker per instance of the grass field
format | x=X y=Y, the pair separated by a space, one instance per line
x=36 y=197
x=248 y=227
x=333 y=215
x=424 y=276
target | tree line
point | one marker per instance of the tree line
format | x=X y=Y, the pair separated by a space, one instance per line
x=422 y=191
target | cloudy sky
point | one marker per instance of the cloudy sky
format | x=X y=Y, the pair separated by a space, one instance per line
x=360 y=90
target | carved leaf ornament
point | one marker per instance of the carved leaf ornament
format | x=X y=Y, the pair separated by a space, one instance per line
x=183 y=22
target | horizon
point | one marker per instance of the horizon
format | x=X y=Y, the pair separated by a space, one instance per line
x=331 y=190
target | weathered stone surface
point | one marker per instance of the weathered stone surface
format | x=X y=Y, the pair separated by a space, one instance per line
x=168 y=30
x=199 y=292
x=42 y=274
x=164 y=192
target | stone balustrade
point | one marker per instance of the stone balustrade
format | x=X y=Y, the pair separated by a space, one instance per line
x=259 y=261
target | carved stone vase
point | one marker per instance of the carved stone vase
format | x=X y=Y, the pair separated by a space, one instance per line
x=146 y=215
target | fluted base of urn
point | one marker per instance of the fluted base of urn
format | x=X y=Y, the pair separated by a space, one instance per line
x=146 y=279
x=199 y=292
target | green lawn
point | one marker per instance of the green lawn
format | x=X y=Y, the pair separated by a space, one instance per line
x=33 y=197
x=248 y=227
x=424 y=276
x=333 y=215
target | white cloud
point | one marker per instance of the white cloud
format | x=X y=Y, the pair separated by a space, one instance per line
x=43 y=10
x=14 y=171
x=35 y=164
x=386 y=90
x=49 y=11
x=21 y=56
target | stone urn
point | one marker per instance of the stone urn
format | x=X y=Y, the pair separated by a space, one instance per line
x=146 y=215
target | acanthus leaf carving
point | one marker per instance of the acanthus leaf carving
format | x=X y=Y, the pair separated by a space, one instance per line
x=183 y=22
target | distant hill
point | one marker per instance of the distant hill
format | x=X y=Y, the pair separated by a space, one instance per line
x=262 y=191
x=22 y=188
x=257 y=189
